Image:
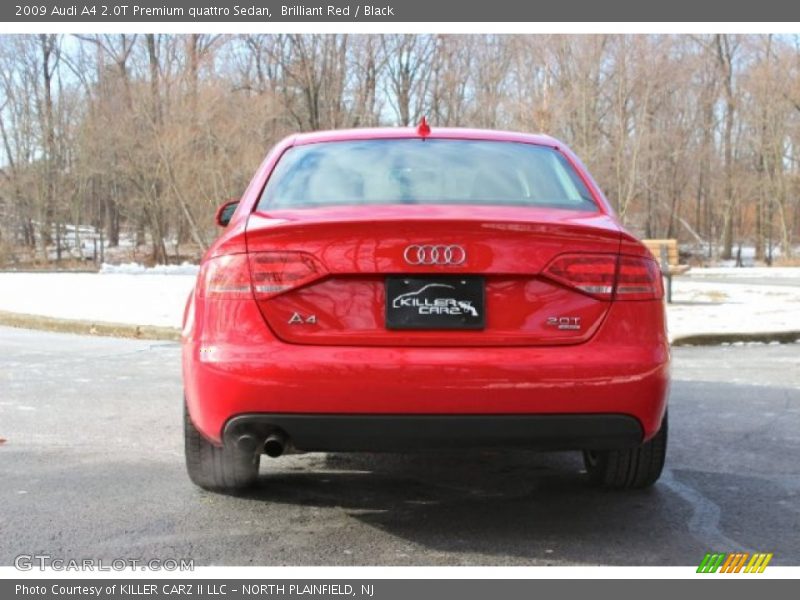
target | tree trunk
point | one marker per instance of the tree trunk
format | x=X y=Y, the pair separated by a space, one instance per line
x=47 y=42
x=725 y=57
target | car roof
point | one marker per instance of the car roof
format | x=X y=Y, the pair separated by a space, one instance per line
x=448 y=133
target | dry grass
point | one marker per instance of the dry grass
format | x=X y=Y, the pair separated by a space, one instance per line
x=715 y=295
x=787 y=262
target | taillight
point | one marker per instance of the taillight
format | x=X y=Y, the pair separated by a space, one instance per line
x=639 y=278
x=225 y=277
x=259 y=274
x=606 y=276
x=589 y=273
x=273 y=273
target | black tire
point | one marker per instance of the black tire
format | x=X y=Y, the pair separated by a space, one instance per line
x=628 y=468
x=216 y=468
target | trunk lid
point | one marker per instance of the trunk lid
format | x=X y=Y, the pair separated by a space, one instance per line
x=505 y=248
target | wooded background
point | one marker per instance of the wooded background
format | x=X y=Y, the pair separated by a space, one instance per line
x=138 y=138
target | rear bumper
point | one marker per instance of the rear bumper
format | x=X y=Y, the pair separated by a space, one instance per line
x=623 y=371
x=412 y=433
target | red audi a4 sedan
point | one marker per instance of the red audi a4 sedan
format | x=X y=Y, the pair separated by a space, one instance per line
x=418 y=289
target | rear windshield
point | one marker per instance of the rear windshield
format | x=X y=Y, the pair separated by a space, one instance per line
x=413 y=171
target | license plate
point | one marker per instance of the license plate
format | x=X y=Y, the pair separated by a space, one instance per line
x=435 y=303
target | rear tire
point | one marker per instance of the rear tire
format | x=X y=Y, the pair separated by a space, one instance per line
x=628 y=468
x=216 y=468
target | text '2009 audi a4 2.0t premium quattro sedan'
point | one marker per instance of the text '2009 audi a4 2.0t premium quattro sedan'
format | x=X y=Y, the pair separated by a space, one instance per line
x=417 y=289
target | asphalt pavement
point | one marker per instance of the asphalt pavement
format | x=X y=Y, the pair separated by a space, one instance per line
x=91 y=466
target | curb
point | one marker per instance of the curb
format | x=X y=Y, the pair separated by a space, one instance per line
x=715 y=339
x=124 y=330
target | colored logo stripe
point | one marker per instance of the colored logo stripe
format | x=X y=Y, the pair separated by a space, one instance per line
x=758 y=563
x=734 y=562
x=710 y=563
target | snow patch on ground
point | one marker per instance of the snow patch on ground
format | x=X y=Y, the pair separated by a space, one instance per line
x=144 y=299
x=137 y=295
x=742 y=273
x=700 y=307
x=139 y=269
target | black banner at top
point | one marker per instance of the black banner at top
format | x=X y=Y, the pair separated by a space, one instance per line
x=152 y=11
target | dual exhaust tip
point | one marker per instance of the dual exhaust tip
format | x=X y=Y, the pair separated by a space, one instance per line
x=275 y=444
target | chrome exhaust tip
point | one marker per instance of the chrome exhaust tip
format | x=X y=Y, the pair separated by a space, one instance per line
x=275 y=444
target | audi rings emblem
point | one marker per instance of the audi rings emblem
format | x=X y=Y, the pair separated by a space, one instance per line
x=435 y=255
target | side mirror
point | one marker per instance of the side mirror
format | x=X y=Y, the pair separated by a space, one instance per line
x=225 y=212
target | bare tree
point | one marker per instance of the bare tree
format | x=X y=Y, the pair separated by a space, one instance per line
x=139 y=137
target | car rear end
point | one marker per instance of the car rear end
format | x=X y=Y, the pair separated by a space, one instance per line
x=403 y=292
